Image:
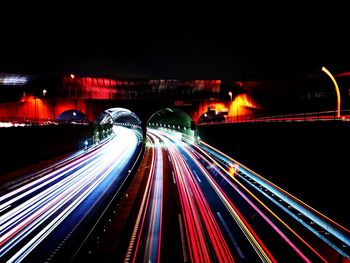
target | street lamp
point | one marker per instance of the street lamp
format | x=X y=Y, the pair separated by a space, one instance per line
x=336 y=89
x=230 y=94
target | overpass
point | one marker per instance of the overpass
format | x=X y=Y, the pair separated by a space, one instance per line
x=41 y=99
x=25 y=98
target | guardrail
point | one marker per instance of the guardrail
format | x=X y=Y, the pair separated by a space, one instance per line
x=293 y=117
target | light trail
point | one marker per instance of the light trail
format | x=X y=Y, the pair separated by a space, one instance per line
x=136 y=236
x=148 y=226
x=38 y=208
x=200 y=223
x=325 y=222
x=153 y=241
x=279 y=192
x=231 y=205
x=306 y=253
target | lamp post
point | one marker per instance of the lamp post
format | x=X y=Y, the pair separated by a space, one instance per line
x=230 y=94
x=336 y=89
x=35 y=108
x=44 y=94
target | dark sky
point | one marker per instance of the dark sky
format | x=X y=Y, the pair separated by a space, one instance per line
x=209 y=42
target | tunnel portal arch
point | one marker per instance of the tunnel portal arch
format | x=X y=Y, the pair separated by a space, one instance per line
x=72 y=116
x=173 y=119
x=118 y=116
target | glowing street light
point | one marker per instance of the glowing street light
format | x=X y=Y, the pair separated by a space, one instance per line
x=336 y=89
x=44 y=92
x=230 y=94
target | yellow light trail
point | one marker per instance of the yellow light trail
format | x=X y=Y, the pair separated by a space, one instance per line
x=336 y=89
x=259 y=201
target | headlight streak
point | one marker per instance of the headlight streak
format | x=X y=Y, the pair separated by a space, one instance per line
x=216 y=186
x=328 y=224
x=153 y=241
x=262 y=179
x=195 y=234
x=200 y=223
x=136 y=234
x=151 y=206
x=41 y=182
x=190 y=151
x=45 y=195
x=262 y=204
x=52 y=200
x=243 y=225
x=34 y=219
x=25 y=250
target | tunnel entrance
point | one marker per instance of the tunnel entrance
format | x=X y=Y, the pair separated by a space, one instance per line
x=105 y=121
x=72 y=117
x=118 y=116
x=172 y=119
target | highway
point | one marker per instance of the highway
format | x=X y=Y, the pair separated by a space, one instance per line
x=217 y=210
x=49 y=216
x=193 y=204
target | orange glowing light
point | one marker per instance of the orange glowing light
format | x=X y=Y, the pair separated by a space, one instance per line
x=232 y=171
x=233 y=168
x=336 y=89
x=241 y=105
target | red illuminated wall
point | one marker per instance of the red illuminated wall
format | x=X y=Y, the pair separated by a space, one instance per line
x=27 y=109
x=89 y=88
x=36 y=109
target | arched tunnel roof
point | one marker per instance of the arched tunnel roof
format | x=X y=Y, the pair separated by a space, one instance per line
x=118 y=115
x=70 y=116
x=171 y=116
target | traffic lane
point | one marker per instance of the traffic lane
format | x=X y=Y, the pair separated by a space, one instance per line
x=336 y=235
x=69 y=235
x=238 y=243
x=309 y=231
x=14 y=214
x=125 y=155
x=295 y=221
x=170 y=249
x=173 y=248
x=152 y=229
x=257 y=217
x=145 y=240
x=43 y=210
x=198 y=220
x=122 y=235
x=205 y=239
x=12 y=198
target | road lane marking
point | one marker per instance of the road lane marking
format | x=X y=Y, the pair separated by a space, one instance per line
x=199 y=180
x=183 y=241
x=3 y=209
x=231 y=236
x=172 y=172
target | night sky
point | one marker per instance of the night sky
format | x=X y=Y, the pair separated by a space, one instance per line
x=185 y=42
